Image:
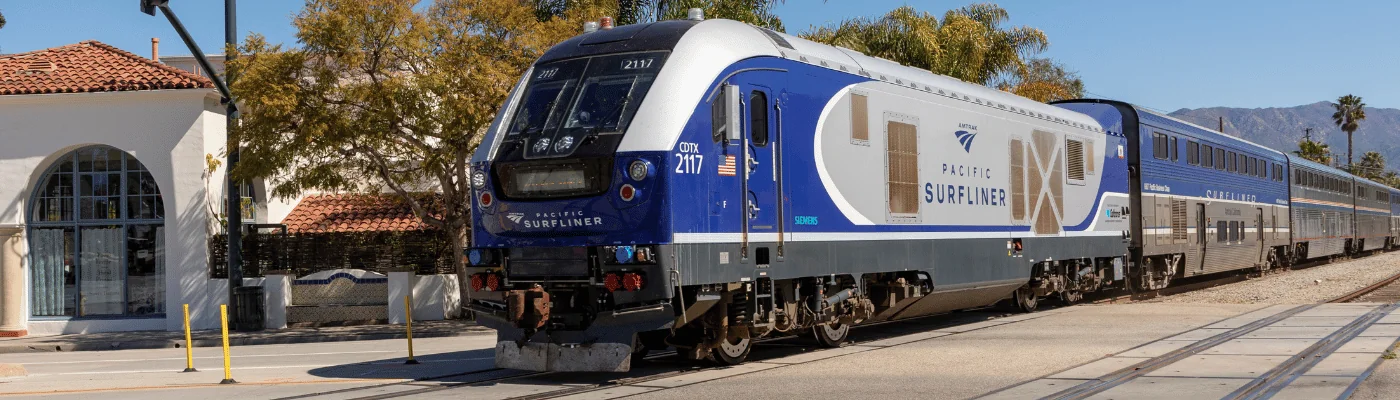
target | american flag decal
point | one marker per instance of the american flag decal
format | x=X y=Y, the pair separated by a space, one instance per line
x=726 y=168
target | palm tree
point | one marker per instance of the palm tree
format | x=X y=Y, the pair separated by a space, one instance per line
x=1315 y=151
x=1350 y=112
x=971 y=43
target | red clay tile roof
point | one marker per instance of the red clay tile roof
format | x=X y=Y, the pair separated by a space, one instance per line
x=89 y=66
x=335 y=213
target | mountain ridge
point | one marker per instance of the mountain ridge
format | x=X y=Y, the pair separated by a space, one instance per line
x=1281 y=128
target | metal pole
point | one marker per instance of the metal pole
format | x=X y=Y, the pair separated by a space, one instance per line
x=408 y=315
x=223 y=325
x=235 y=198
x=189 y=344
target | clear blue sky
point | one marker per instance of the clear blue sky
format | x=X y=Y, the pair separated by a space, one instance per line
x=1161 y=54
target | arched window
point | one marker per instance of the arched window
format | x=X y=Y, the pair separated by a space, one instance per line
x=97 y=237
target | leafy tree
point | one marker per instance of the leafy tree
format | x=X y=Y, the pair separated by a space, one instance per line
x=1314 y=151
x=383 y=94
x=756 y=12
x=2 y=20
x=1350 y=112
x=1371 y=167
x=969 y=43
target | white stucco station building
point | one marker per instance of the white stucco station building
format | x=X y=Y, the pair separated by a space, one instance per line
x=105 y=193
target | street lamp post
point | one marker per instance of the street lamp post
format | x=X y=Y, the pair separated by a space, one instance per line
x=234 y=208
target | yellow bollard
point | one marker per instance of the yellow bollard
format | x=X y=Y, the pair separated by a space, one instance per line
x=189 y=344
x=223 y=324
x=408 y=314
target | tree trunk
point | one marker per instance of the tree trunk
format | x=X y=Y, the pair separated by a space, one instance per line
x=459 y=234
x=1349 y=168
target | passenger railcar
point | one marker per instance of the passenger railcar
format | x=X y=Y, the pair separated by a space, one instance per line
x=1394 y=241
x=1205 y=202
x=1372 y=201
x=1323 y=210
x=700 y=184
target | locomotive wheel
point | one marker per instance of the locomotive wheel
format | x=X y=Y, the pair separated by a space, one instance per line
x=732 y=351
x=1025 y=299
x=831 y=335
x=1070 y=297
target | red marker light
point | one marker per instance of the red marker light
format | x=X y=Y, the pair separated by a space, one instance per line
x=632 y=281
x=493 y=282
x=612 y=282
x=485 y=199
x=477 y=283
x=627 y=193
x=606 y=22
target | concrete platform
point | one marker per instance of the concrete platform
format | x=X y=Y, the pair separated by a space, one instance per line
x=1323 y=351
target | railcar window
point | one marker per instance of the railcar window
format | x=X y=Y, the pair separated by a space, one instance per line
x=1173 y=141
x=758 y=118
x=1230 y=162
x=860 y=118
x=1234 y=231
x=1160 y=146
x=1222 y=231
x=1220 y=159
x=1297 y=177
x=902 y=153
x=1193 y=153
x=1261 y=168
x=1206 y=159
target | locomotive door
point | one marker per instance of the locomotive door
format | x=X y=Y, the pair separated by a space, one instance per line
x=759 y=158
x=1201 y=229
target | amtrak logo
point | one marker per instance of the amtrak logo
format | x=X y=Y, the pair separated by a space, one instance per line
x=515 y=217
x=966 y=136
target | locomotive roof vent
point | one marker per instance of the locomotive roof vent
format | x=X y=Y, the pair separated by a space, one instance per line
x=695 y=14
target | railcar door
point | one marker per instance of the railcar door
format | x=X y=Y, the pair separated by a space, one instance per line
x=1259 y=233
x=1201 y=229
x=759 y=154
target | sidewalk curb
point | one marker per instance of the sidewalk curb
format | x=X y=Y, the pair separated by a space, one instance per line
x=68 y=346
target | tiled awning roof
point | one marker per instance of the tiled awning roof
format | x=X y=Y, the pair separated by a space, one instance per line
x=89 y=66
x=336 y=213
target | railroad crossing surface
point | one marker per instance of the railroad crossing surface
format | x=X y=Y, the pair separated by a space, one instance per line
x=1122 y=351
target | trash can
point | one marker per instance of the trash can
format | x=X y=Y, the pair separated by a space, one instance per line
x=250 y=311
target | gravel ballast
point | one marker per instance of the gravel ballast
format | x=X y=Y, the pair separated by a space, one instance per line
x=1312 y=285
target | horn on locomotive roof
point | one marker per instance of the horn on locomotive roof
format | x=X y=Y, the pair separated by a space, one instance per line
x=606 y=22
x=590 y=27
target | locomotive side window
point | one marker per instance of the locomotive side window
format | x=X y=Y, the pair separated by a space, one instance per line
x=1089 y=159
x=1193 y=153
x=1018 y=180
x=902 y=168
x=1160 y=146
x=1074 y=161
x=758 y=118
x=860 y=119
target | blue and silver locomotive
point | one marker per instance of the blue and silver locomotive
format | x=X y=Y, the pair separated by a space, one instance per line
x=701 y=184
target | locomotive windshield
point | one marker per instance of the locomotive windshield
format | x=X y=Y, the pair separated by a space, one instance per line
x=567 y=101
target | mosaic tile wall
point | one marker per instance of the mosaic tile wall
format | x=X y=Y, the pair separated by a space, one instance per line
x=351 y=295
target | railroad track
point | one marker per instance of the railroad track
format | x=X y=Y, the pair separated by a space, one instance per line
x=1385 y=291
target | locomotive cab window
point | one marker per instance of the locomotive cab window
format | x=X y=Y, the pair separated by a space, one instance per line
x=758 y=118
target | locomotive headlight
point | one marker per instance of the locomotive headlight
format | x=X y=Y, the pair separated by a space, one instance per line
x=478 y=179
x=542 y=145
x=563 y=144
x=639 y=170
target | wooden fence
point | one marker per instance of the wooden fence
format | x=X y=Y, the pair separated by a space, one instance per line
x=428 y=252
